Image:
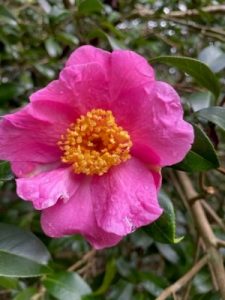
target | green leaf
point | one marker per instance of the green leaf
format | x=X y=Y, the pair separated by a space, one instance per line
x=46 y=71
x=164 y=229
x=52 y=47
x=66 y=286
x=214 y=114
x=58 y=15
x=8 y=91
x=9 y=283
x=67 y=38
x=7 y=16
x=22 y=254
x=200 y=100
x=211 y=295
x=90 y=6
x=26 y=294
x=201 y=157
x=110 y=273
x=5 y=171
x=195 y=68
x=214 y=57
x=114 y=43
x=168 y=252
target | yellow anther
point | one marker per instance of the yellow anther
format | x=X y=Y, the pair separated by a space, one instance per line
x=95 y=143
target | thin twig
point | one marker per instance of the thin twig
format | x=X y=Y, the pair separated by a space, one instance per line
x=83 y=260
x=191 y=201
x=184 y=279
x=40 y=294
x=208 y=189
x=174 y=296
x=214 y=282
x=178 y=189
x=206 y=233
x=180 y=14
x=197 y=253
x=221 y=243
x=221 y=170
x=212 y=213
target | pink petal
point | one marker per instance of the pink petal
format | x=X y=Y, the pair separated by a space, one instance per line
x=29 y=168
x=22 y=169
x=77 y=217
x=81 y=87
x=32 y=133
x=125 y=69
x=125 y=198
x=89 y=54
x=153 y=116
x=128 y=70
x=55 y=91
x=89 y=85
x=45 y=189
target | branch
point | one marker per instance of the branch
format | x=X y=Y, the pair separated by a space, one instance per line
x=88 y=256
x=184 y=279
x=176 y=17
x=212 y=213
x=198 y=249
x=211 y=31
x=205 y=232
x=221 y=243
x=180 y=14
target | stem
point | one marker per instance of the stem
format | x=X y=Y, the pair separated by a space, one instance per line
x=187 y=292
x=205 y=232
x=184 y=279
x=221 y=243
x=212 y=213
x=83 y=260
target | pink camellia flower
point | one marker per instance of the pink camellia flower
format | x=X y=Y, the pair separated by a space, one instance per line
x=88 y=148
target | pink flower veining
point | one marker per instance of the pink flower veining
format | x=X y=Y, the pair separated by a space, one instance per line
x=88 y=148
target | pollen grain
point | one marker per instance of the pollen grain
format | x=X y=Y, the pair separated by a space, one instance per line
x=95 y=143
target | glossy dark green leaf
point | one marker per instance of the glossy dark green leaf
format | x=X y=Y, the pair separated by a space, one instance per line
x=67 y=38
x=66 y=286
x=90 y=6
x=214 y=114
x=8 y=283
x=114 y=43
x=52 y=47
x=22 y=254
x=58 y=15
x=168 y=252
x=214 y=57
x=207 y=296
x=199 y=100
x=8 y=91
x=46 y=71
x=5 y=171
x=7 y=16
x=127 y=292
x=164 y=229
x=26 y=294
x=151 y=282
x=15 y=265
x=195 y=68
x=201 y=157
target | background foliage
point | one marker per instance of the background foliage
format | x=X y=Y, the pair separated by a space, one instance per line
x=36 y=37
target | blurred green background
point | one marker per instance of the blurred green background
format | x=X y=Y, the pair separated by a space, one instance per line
x=36 y=37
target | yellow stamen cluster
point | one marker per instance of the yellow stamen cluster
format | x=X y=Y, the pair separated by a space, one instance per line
x=95 y=143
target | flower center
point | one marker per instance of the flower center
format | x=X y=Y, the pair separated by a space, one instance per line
x=95 y=143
